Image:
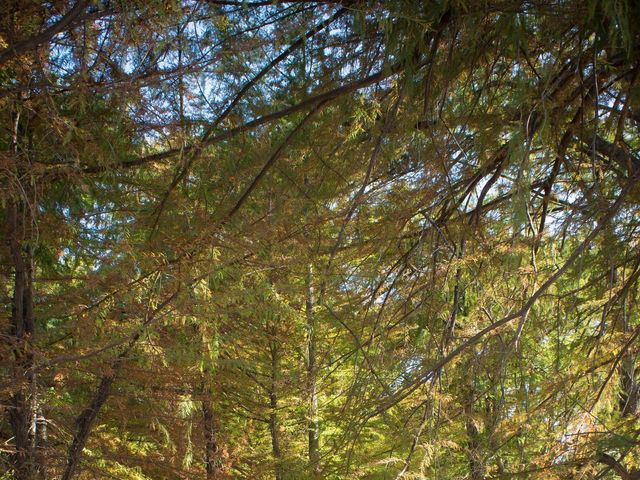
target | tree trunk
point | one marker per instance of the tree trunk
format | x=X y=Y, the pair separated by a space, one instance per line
x=629 y=396
x=21 y=404
x=211 y=460
x=23 y=401
x=84 y=424
x=630 y=387
x=474 y=447
x=273 y=404
x=314 y=427
x=474 y=454
x=211 y=448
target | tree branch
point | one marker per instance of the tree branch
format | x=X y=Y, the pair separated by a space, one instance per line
x=66 y=22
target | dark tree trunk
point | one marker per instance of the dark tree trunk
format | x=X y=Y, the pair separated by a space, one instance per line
x=273 y=404
x=629 y=396
x=476 y=464
x=24 y=397
x=630 y=387
x=312 y=369
x=84 y=424
x=474 y=443
x=211 y=448
x=23 y=400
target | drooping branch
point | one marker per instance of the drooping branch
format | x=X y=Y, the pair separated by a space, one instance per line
x=617 y=467
x=272 y=159
x=253 y=124
x=67 y=21
x=197 y=149
x=425 y=376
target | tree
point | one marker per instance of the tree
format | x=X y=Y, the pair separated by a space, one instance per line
x=319 y=239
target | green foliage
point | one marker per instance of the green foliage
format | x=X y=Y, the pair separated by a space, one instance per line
x=409 y=229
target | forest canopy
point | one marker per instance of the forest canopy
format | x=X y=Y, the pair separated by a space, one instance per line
x=282 y=239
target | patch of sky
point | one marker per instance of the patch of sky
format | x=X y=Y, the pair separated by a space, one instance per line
x=409 y=369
